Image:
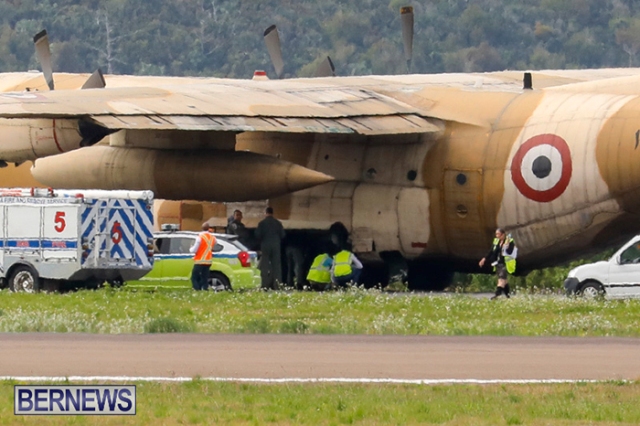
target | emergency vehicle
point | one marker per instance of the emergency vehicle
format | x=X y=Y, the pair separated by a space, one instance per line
x=53 y=238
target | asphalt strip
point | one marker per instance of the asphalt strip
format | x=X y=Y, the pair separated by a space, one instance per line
x=316 y=358
x=333 y=380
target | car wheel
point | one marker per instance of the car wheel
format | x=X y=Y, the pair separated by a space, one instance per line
x=592 y=290
x=219 y=281
x=24 y=279
x=116 y=282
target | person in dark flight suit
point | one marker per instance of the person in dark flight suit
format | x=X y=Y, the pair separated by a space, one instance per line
x=270 y=233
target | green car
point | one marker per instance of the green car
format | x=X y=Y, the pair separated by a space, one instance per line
x=233 y=266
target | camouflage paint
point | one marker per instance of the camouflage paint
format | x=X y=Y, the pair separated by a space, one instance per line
x=541 y=211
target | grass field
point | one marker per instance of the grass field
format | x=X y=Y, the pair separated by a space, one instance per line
x=202 y=402
x=346 y=312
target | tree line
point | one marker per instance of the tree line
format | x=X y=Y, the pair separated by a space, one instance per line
x=223 y=38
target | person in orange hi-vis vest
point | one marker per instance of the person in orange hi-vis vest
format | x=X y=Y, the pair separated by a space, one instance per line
x=202 y=251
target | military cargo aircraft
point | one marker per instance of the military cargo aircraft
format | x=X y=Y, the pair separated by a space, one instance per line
x=419 y=169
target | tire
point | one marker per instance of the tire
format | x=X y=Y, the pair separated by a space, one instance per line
x=24 y=279
x=115 y=282
x=592 y=290
x=218 y=278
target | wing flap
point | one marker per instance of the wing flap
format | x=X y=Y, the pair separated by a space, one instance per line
x=364 y=125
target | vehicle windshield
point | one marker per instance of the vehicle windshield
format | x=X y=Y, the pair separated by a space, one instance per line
x=631 y=254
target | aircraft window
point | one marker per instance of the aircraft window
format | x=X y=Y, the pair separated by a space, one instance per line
x=541 y=167
x=181 y=245
x=412 y=175
x=461 y=179
x=631 y=255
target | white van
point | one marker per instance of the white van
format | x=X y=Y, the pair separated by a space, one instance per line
x=616 y=278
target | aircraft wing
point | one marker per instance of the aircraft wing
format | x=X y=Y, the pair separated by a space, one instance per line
x=227 y=107
x=167 y=128
x=348 y=105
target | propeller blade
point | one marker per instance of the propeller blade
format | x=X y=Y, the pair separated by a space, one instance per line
x=326 y=68
x=41 y=40
x=272 y=41
x=406 y=16
x=96 y=81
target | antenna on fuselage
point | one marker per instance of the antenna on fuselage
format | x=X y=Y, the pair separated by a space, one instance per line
x=528 y=81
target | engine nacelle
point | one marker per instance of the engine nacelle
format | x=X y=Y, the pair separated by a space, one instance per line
x=207 y=175
x=26 y=139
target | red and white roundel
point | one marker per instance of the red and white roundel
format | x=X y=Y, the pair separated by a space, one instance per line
x=541 y=168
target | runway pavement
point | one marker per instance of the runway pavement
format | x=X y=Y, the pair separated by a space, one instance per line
x=318 y=357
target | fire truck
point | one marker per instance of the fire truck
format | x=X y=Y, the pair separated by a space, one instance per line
x=53 y=239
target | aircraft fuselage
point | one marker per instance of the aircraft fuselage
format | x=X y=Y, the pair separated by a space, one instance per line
x=557 y=169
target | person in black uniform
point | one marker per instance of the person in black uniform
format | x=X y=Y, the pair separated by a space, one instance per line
x=502 y=256
x=236 y=227
x=270 y=233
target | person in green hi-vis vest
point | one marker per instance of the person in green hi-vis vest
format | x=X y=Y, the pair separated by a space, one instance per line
x=346 y=268
x=502 y=256
x=319 y=275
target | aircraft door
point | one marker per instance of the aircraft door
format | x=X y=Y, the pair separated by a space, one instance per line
x=413 y=217
x=375 y=219
x=463 y=213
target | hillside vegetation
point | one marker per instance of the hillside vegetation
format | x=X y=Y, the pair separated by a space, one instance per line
x=224 y=37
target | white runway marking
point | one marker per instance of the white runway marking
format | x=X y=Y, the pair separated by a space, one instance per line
x=298 y=380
